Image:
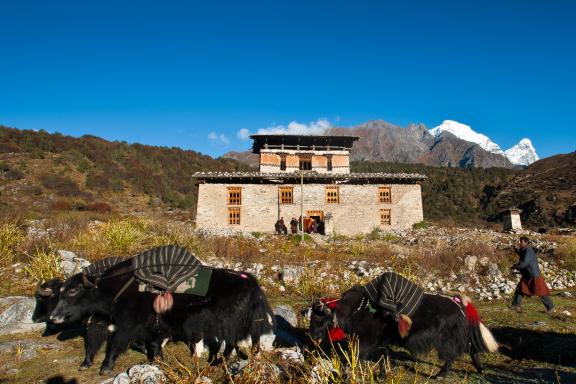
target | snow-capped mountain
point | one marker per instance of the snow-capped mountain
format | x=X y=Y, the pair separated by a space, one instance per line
x=522 y=153
x=464 y=132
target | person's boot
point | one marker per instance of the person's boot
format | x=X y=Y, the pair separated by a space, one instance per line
x=515 y=308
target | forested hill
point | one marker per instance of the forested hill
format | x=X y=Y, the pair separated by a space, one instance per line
x=43 y=170
x=454 y=194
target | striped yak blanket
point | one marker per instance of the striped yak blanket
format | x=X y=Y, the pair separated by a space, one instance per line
x=394 y=294
x=98 y=268
x=166 y=267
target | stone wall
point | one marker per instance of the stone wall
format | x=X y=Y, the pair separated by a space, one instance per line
x=357 y=212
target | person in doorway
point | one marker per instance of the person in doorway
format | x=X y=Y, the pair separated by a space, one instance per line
x=531 y=283
x=294 y=226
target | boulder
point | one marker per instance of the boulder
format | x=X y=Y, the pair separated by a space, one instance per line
x=139 y=374
x=17 y=318
x=287 y=313
x=70 y=263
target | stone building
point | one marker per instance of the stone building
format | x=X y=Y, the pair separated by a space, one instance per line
x=307 y=176
x=512 y=220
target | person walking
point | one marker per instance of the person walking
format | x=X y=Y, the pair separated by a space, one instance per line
x=531 y=283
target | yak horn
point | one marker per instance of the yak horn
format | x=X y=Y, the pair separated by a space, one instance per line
x=86 y=282
x=44 y=292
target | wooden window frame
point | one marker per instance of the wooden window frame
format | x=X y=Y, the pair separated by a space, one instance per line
x=233 y=215
x=383 y=220
x=286 y=199
x=332 y=199
x=382 y=196
x=232 y=198
x=282 y=162
x=329 y=166
x=305 y=160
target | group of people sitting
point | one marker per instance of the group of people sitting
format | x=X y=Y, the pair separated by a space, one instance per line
x=311 y=225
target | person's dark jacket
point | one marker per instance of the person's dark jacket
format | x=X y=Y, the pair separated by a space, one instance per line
x=528 y=264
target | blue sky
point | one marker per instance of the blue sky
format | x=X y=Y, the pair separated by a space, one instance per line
x=194 y=73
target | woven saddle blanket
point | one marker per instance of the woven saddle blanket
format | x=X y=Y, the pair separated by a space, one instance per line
x=98 y=268
x=167 y=267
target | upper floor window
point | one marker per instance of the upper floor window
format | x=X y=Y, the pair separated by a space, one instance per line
x=329 y=163
x=384 y=195
x=234 y=195
x=305 y=163
x=282 y=162
x=285 y=194
x=332 y=194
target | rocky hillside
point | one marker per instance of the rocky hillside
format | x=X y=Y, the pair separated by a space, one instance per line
x=42 y=171
x=382 y=141
x=545 y=192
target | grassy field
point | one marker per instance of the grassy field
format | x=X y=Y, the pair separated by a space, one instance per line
x=535 y=347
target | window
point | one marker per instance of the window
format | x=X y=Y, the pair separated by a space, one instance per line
x=305 y=163
x=234 y=195
x=234 y=215
x=282 y=162
x=385 y=217
x=332 y=195
x=329 y=164
x=384 y=195
x=285 y=195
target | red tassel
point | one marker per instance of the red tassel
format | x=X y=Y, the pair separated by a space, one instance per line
x=330 y=302
x=336 y=334
x=472 y=315
x=404 y=325
x=163 y=302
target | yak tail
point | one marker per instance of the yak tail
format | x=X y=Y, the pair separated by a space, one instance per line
x=481 y=338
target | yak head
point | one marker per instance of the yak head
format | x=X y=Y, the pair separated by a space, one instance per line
x=75 y=299
x=46 y=296
x=321 y=321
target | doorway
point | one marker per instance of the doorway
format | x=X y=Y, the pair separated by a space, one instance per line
x=314 y=222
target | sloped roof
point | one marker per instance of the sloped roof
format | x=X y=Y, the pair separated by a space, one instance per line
x=309 y=177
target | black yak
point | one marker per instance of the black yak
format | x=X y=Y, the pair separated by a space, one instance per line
x=233 y=309
x=451 y=326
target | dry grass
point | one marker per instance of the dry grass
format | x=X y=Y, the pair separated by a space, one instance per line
x=43 y=265
x=566 y=253
x=11 y=237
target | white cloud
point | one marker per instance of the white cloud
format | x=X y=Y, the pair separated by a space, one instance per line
x=243 y=134
x=317 y=127
x=218 y=139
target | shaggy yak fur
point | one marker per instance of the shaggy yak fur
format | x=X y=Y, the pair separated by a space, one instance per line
x=439 y=323
x=233 y=309
x=93 y=329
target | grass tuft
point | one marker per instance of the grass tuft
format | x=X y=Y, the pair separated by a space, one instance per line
x=10 y=239
x=43 y=265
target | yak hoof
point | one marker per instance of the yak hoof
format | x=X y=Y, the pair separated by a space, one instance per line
x=216 y=362
x=105 y=371
x=84 y=366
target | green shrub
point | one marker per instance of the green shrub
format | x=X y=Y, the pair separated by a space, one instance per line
x=420 y=225
x=43 y=265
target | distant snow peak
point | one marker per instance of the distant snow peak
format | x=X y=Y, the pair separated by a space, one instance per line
x=464 y=132
x=522 y=153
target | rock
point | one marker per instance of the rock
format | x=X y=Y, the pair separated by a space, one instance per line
x=292 y=355
x=470 y=262
x=321 y=372
x=287 y=313
x=203 y=380
x=292 y=273
x=70 y=263
x=26 y=349
x=139 y=374
x=565 y=294
x=17 y=318
x=567 y=313
x=237 y=366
